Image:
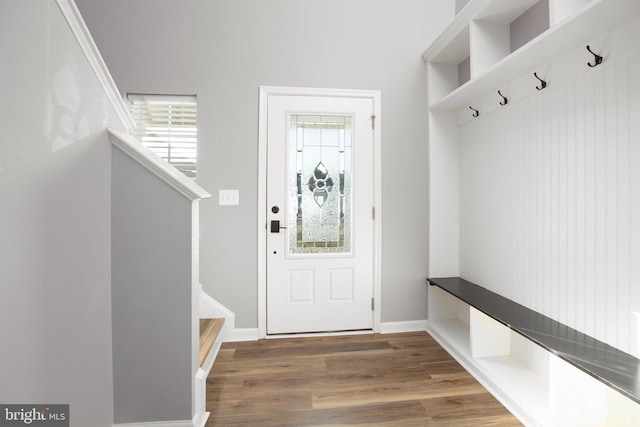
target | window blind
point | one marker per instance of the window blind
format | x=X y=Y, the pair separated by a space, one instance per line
x=166 y=124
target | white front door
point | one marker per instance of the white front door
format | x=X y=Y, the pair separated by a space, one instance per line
x=320 y=220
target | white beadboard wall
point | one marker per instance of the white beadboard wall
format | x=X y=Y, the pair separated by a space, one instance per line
x=550 y=200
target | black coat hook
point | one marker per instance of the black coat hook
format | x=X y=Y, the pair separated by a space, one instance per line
x=597 y=58
x=504 y=101
x=476 y=112
x=543 y=84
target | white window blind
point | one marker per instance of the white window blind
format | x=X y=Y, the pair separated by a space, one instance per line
x=167 y=125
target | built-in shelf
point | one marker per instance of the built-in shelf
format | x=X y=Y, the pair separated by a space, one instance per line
x=577 y=27
x=477 y=38
x=543 y=370
x=452 y=44
x=511 y=374
x=542 y=376
x=455 y=332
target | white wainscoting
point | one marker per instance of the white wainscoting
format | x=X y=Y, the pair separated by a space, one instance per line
x=550 y=201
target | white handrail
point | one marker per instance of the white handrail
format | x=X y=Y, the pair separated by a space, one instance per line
x=91 y=52
x=159 y=167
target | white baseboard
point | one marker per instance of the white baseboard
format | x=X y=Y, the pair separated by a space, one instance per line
x=198 y=421
x=242 y=334
x=251 y=334
x=202 y=420
x=399 y=327
x=210 y=307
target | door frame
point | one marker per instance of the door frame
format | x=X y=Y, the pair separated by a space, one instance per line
x=265 y=92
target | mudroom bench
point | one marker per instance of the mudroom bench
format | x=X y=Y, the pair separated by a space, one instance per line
x=545 y=372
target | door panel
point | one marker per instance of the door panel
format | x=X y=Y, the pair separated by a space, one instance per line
x=320 y=189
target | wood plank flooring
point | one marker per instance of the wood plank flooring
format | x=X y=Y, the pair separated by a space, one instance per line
x=383 y=380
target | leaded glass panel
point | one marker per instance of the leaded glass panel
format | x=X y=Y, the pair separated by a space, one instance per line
x=319 y=159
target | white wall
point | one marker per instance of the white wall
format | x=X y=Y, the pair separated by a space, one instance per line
x=550 y=193
x=55 y=262
x=224 y=50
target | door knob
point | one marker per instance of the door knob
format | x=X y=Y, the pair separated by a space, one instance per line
x=275 y=226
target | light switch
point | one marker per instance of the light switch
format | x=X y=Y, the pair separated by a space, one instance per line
x=228 y=197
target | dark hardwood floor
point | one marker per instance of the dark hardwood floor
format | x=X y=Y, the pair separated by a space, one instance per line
x=383 y=380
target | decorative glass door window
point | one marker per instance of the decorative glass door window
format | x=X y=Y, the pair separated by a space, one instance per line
x=319 y=159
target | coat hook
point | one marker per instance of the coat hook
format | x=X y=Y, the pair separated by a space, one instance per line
x=543 y=84
x=504 y=101
x=598 y=58
x=476 y=112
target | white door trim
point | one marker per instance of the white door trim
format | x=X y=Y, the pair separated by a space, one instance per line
x=265 y=92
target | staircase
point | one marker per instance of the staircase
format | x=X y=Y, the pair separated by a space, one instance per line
x=211 y=336
x=216 y=321
x=209 y=332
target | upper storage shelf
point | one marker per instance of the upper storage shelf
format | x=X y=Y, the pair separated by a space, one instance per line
x=483 y=47
x=453 y=45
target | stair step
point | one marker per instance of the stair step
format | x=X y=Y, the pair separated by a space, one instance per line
x=209 y=330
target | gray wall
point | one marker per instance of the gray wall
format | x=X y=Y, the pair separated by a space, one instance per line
x=223 y=50
x=460 y=4
x=151 y=296
x=55 y=226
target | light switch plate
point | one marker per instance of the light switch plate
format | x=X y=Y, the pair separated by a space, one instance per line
x=228 y=197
